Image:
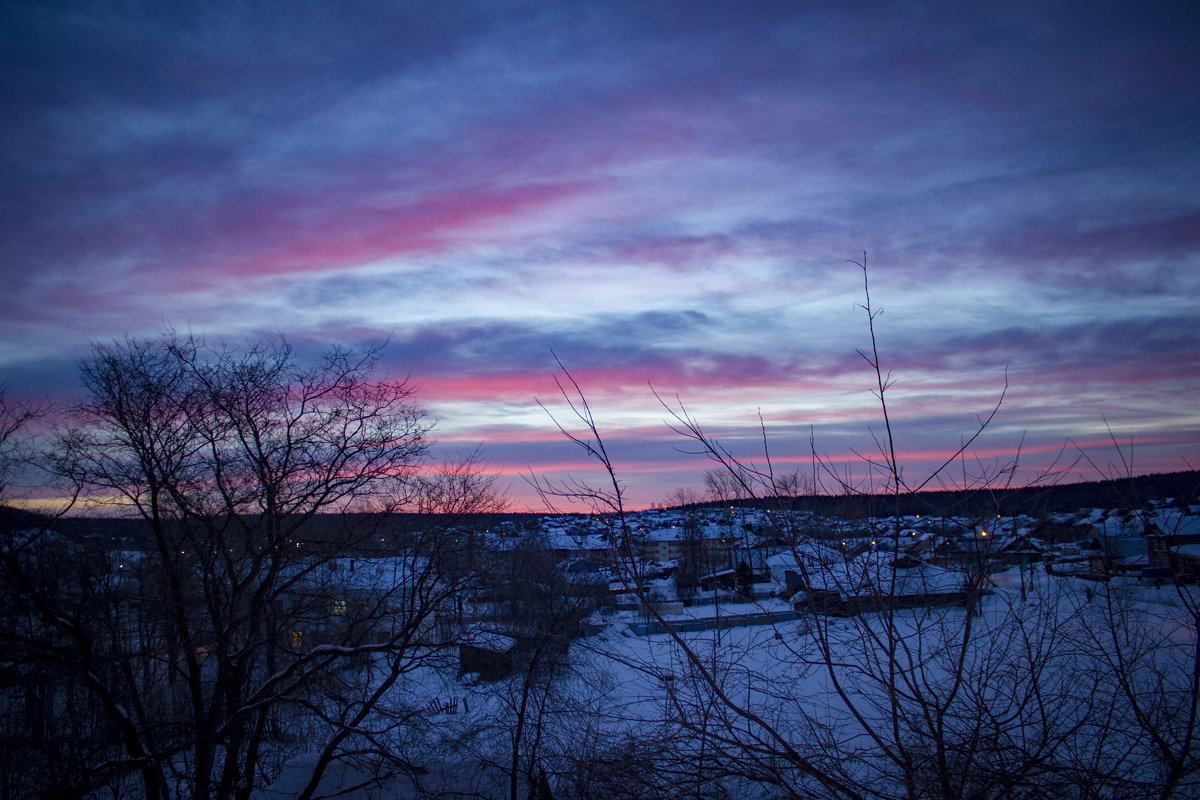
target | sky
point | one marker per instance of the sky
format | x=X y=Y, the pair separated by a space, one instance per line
x=666 y=197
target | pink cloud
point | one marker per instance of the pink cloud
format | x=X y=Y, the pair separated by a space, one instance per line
x=432 y=223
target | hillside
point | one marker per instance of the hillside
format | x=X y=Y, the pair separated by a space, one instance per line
x=1181 y=487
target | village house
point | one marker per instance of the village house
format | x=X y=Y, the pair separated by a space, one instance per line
x=1173 y=544
x=826 y=580
x=710 y=545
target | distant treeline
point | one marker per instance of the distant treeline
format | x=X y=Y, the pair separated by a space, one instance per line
x=1182 y=488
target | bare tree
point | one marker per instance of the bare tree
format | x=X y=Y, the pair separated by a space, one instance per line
x=243 y=617
x=39 y=747
x=15 y=420
x=1141 y=647
x=915 y=699
x=684 y=496
x=934 y=701
x=543 y=607
x=706 y=687
x=722 y=487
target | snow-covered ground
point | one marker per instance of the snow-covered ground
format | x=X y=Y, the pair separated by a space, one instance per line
x=843 y=696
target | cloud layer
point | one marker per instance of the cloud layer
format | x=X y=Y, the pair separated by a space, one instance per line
x=663 y=194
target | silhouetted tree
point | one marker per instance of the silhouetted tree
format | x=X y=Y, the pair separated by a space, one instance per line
x=259 y=618
x=946 y=702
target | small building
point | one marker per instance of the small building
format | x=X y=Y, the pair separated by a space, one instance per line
x=1173 y=543
x=488 y=653
x=706 y=546
x=1021 y=549
x=869 y=581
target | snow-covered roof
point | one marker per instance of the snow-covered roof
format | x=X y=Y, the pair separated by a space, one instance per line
x=488 y=638
x=566 y=540
x=706 y=531
x=872 y=572
x=1173 y=522
x=663 y=535
x=1189 y=550
x=371 y=574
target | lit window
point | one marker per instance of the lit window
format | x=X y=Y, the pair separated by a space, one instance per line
x=339 y=607
x=297 y=639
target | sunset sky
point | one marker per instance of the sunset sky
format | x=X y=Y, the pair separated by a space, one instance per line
x=663 y=194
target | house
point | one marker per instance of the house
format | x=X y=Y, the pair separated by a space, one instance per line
x=1021 y=549
x=974 y=547
x=664 y=544
x=1064 y=530
x=577 y=544
x=917 y=543
x=827 y=581
x=359 y=600
x=1173 y=543
x=494 y=650
x=708 y=546
x=790 y=568
x=489 y=653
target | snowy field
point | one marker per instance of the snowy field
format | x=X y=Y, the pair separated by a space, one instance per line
x=1078 y=684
